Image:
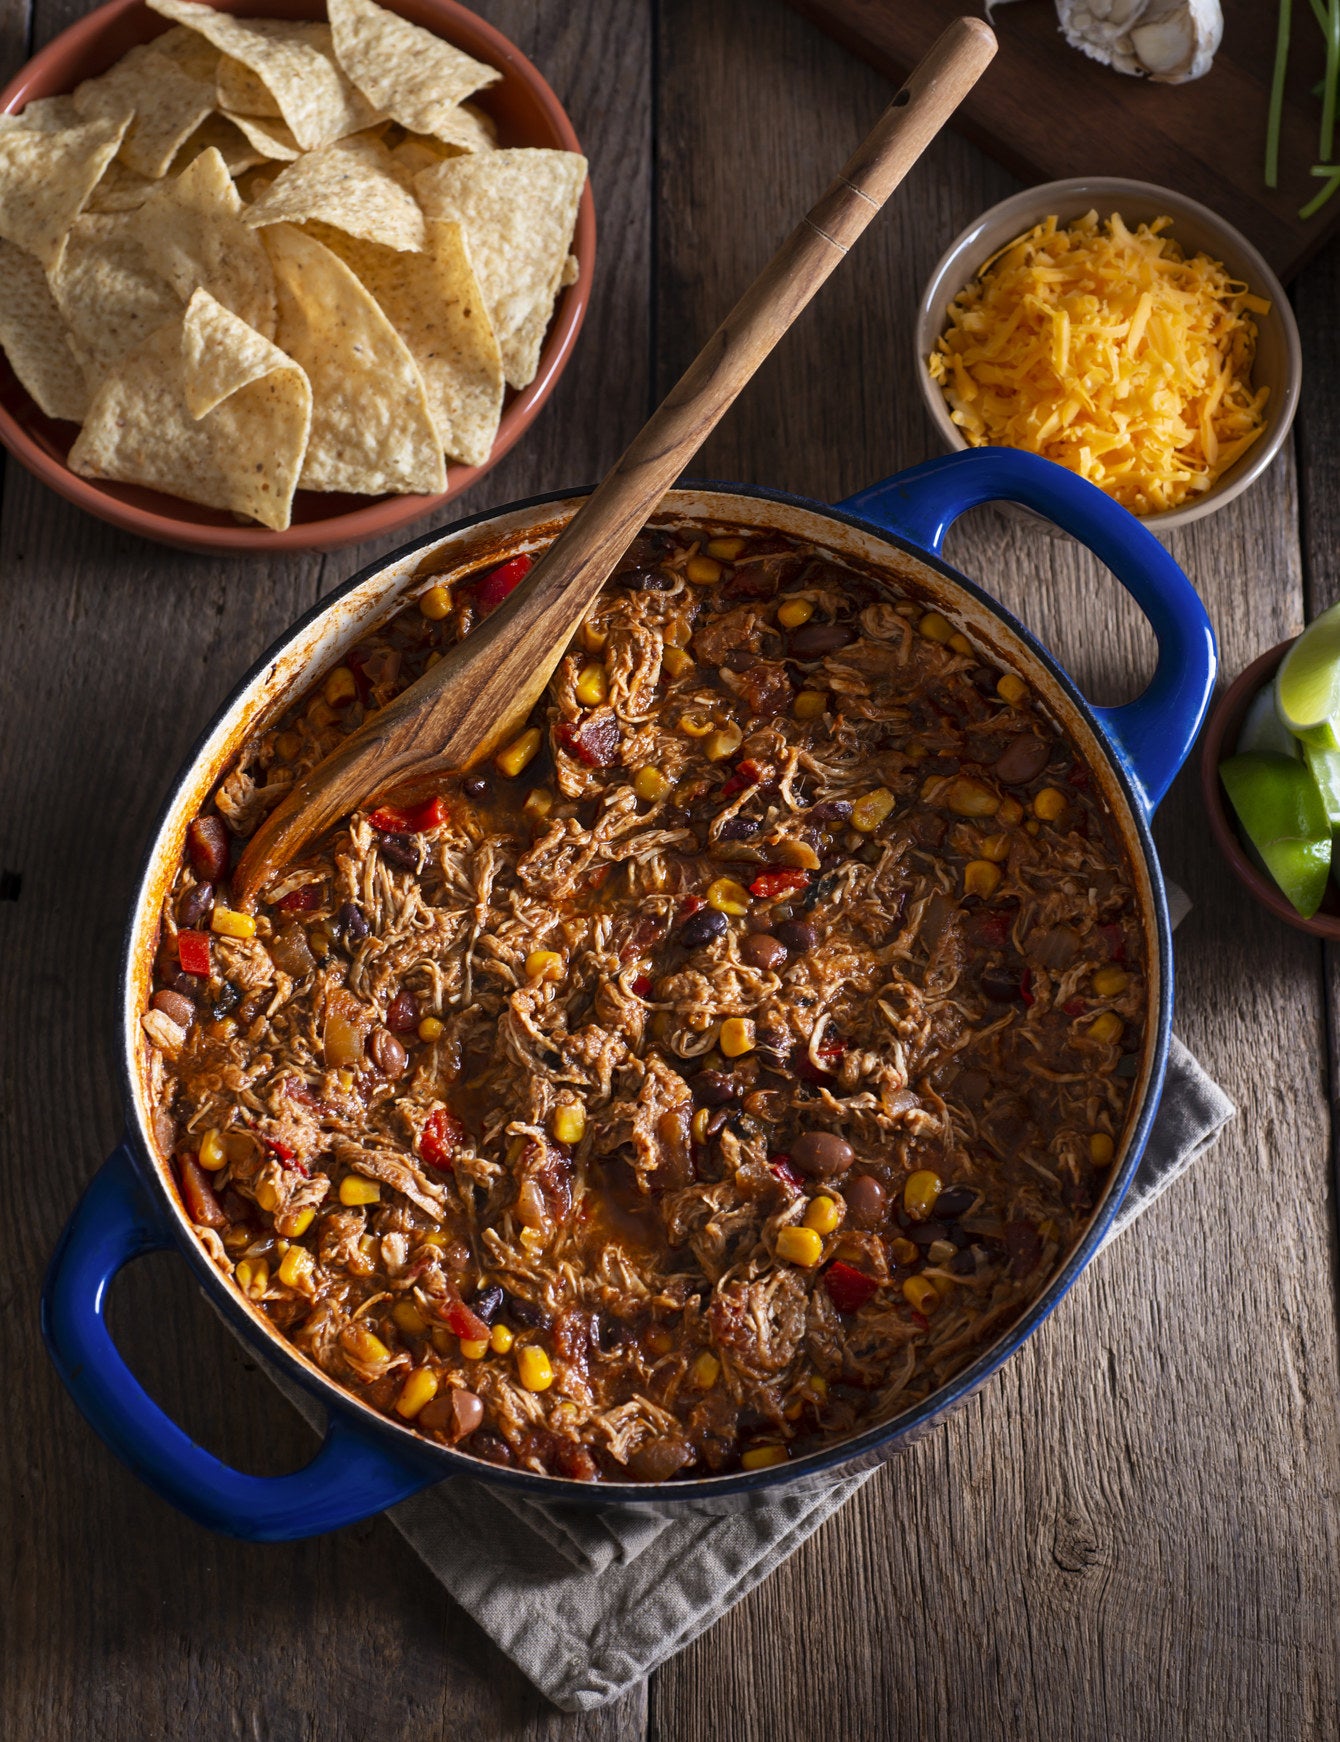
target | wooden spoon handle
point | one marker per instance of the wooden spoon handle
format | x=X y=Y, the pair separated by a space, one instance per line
x=482 y=689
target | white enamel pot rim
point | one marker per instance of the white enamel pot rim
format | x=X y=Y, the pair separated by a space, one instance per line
x=315 y=643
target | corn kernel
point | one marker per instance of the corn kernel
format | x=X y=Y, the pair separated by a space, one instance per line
x=297 y=1224
x=592 y=685
x=267 y=1197
x=981 y=877
x=699 y=1123
x=320 y=713
x=822 y=1215
x=1049 y=805
x=295 y=1267
x=659 y=1340
x=1107 y=1029
x=593 y=639
x=941 y=1251
x=920 y=1295
x=970 y=798
x=1010 y=812
x=817 y=1386
x=339 y=688
x=366 y=1345
x=288 y=745
x=649 y=784
x=800 y=1246
x=1011 y=689
x=809 y=704
x=408 y=1318
x=794 y=612
x=724 y=742
x=678 y=632
x=544 y=965
x=1107 y=983
x=995 y=848
x=418 y=1389
x=434 y=1238
x=1101 y=1149
x=431 y=1029
x=212 y=1154
x=705 y=1371
x=737 y=1036
x=800 y=854
x=474 y=1348
x=904 y=1251
x=676 y=661
x=533 y=1368
x=869 y=812
x=539 y=803
x=435 y=603
x=960 y=643
x=253 y=1277
x=920 y=1191
x=443 y=1341
x=703 y=570
x=501 y=1339
x=232 y=925
x=728 y=896
x=354 y=1189
x=764 y=1457
x=569 y=1122
x=369 y=1247
x=935 y=627
x=518 y=753
x=694 y=726
x=727 y=549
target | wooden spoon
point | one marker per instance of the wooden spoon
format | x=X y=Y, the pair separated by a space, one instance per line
x=478 y=695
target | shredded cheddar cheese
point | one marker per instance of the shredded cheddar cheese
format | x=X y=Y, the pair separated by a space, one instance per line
x=1107 y=350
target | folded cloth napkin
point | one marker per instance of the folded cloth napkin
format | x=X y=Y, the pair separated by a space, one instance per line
x=586 y=1602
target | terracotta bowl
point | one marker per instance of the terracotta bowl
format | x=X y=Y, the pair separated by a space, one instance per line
x=1219 y=741
x=526 y=112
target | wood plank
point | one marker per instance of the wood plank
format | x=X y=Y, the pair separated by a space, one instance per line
x=121 y=1619
x=1046 y=111
x=1132 y=1531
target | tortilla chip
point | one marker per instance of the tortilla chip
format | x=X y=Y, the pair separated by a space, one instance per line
x=372 y=430
x=295 y=62
x=244 y=454
x=162 y=104
x=405 y=71
x=188 y=51
x=519 y=209
x=109 y=295
x=46 y=177
x=35 y=337
x=352 y=185
x=242 y=91
x=270 y=139
x=222 y=354
x=120 y=190
x=46 y=114
x=194 y=237
x=218 y=133
x=434 y=303
x=572 y=271
x=420 y=151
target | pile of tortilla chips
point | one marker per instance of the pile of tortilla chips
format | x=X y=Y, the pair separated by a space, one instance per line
x=260 y=256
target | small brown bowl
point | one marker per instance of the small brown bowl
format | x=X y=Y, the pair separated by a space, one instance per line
x=1219 y=742
x=526 y=112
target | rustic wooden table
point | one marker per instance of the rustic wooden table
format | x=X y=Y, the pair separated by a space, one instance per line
x=1133 y=1532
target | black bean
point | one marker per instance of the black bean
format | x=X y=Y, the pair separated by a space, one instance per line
x=700 y=928
x=353 y=927
x=814 y=639
x=832 y=810
x=714 y=1089
x=1000 y=985
x=927 y=1233
x=400 y=850
x=525 y=1312
x=798 y=936
x=484 y=1443
x=985 y=680
x=953 y=1202
x=486 y=1303
x=965 y=1263
x=648 y=580
x=1128 y=1066
x=822 y=1154
x=738 y=828
x=719 y=1121
x=228 y=999
x=195 y=907
x=817 y=892
x=774 y=1047
x=475 y=786
x=608 y=1332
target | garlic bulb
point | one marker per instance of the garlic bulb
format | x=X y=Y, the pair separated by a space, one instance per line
x=1169 y=41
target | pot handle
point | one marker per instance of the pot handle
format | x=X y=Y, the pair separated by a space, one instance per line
x=351 y=1476
x=1153 y=734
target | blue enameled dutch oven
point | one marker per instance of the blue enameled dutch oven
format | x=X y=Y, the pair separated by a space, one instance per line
x=368 y=1462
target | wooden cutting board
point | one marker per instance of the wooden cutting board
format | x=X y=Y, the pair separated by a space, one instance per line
x=1046 y=111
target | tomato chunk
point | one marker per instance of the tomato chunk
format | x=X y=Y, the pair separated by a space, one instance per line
x=193 y=953
x=782 y=1166
x=780 y=880
x=390 y=819
x=439 y=1139
x=848 y=1288
x=498 y=583
x=595 y=742
x=300 y=900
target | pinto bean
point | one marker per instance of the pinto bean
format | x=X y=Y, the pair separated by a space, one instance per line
x=386 y=1053
x=176 y=1008
x=867 y=1200
x=467 y=1412
x=813 y=640
x=402 y=1013
x=207 y=848
x=764 y=952
x=822 y=1154
x=1022 y=760
x=195 y=907
x=798 y=935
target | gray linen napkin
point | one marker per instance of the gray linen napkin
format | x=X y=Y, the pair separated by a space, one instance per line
x=586 y=1603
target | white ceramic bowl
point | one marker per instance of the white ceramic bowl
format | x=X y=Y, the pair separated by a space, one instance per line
x=1279 y=358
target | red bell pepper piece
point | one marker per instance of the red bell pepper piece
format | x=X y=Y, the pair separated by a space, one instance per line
x=193 y=953
x=747 y=773
x=848 y=1288
x=389 y=819
x=439 y=1137
x=461 y=1322
x=782 y=1166
x=831 y=1052
x=498 y=583
x=642 y=985
x=299 y=900
x=780 y=880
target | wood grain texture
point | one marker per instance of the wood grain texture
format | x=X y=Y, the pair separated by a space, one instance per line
x=1133 y=1532
x=1046 y=111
